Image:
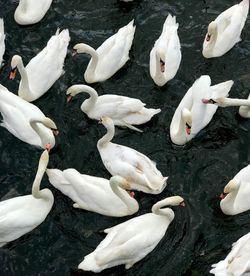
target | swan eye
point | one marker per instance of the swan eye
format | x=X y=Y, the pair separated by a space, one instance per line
x=162 y=65
x=211 y=101
x=208 y=37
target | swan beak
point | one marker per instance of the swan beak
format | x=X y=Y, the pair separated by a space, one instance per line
x=132 y=194
x=13 y=74
x=55 y=132
x=162 y=65
x=188 y=129
x=48 y=147
x=182 y=204
x=69 y=98
x=74 y=52
x=222 y=195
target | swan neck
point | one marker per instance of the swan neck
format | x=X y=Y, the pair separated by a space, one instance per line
x=37 y=129
x=94 y=59
x=36 y=184
x=236 y=102
x=167 y=212
x=211 y=44
x=107 y=137
x=179 y=132
x=226 y=203
x=89 y=103
x=24 y=89
x=124 y=196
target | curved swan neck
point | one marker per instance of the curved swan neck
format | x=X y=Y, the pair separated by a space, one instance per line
x=124 y=196
x=89 y=103
x=24 y=89
x=236 y=102
x=37 y=129
x=93 y=62
x=156 y=209
x=39 y=175
x=108 y=136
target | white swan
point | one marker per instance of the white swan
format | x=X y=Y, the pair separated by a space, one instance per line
x=135 y=167
x=237 y=262
x=165 y=56
x=43 y=69
x=26 y=121
x=96 y=194
x=22 y=214
x=244 y=104
x=192 y=114
x=2 y=39
x=124 y=111
x=31 y=11
x=235 y=198
x=224 y=32
x=110 y=56
x=130 y=241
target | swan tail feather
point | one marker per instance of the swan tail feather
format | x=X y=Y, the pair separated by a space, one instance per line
x=56 y=177
x=170 y=22
x=219 y=269
x=245 y=4
x=131 y=126
x=221 y=89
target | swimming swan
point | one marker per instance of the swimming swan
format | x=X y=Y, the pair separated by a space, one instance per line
x=235 y=198
x=192 y=114
x=224 y=32
x=130 y=241
x=237 y=261
x=244 y=104
x=2 y=39
x=124 y=111
x=31 y=11
x=20 y=215
x=165 y=56
x=140 y=172
x=26 y=121
x=44 y=69
x=110 y=56
x=96 y=194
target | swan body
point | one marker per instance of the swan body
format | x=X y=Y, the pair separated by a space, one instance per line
x=244 y=104
x=237 y=262
x=110 y=56
x=135 y=167
x=130 y=241
x=124 y=111
x=31 y=11
x=236 y=193
x=165 y=56
x=2 y=39
x=22 y=214
x=43 y=69
x=26 y=121
x=95 y=194
x=192 y=114
x=224 y=32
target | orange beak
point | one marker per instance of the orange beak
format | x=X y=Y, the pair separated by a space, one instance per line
x=222 y=195
x=132 y=194
x=182 y=204
x=188 y=130
x=55 y=132
x=69 y=98
x=48 y=147
x=12 y=74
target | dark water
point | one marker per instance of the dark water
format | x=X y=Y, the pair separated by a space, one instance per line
x=200 y=234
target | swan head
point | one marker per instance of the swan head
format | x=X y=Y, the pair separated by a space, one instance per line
x=162 y=59
x=14 y=63
x=176 y=201
x=219 y=101
x=187 y=118
x=106 y=121
x=212 y=28
x=79 y=48
x=232 y=185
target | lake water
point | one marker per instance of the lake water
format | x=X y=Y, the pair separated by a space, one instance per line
x=200 y=234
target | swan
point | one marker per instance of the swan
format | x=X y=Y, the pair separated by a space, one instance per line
x=165 y=56
x=96 y=194
x=20 y=215
x=224 y=32
x=124 y=111
x=2 y=39
x=110 y=56
x=26 y=121
x=43 y=69
x=244 y=104
x=234 y=199
x=31 y=11
x=192 y=114
x=140 y=172
x=130 y=241
x=237 y=261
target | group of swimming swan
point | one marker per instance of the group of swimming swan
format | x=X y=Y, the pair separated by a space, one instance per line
x=130 y=241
